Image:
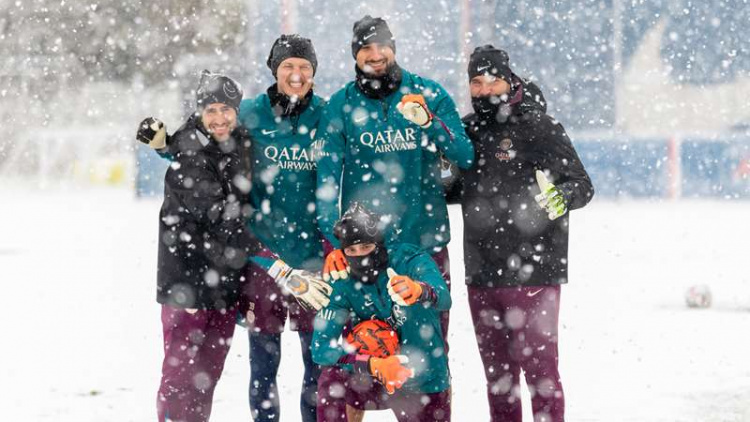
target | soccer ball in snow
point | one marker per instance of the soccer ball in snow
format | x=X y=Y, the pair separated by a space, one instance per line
x=698 y=296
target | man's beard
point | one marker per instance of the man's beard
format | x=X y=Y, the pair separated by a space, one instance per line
x=496 y=107
x=379 y=86
x=209 y=132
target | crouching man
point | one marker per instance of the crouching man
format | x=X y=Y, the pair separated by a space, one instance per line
x=403 y=286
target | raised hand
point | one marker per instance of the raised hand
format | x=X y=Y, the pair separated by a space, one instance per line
x=414 y=109
x=403 y=289
x=336 y=267
x=152 y=132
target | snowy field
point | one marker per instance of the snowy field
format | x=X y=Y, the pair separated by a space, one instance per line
x=81 y=331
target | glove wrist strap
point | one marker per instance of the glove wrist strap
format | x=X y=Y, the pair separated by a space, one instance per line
x=279 y=271
x=429 y=121
x=362 y=364
x=428 y=293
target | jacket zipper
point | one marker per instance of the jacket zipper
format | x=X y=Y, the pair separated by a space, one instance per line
x=384 y=105
x=295 y=123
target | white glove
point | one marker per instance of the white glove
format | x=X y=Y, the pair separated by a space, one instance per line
x=152 y=132
x=414 y=109
x=551 y=197
x=308 y=288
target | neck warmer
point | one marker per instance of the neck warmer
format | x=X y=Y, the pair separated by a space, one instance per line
x=367 y=268
x=284 y=105
x=381 y=86
x=498 y=108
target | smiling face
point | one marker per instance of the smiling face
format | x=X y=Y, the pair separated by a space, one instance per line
x=220 y=120
x=375 y=58
x=295 y=77
x=359 y=249
x=485 y=85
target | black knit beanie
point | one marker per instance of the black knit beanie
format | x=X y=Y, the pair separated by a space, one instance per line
x=218 y=88
x=370 y=30
x=291 y=45
x=489 y=60
x=358 y=225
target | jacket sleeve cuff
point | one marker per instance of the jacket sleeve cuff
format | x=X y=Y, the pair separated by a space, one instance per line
x=567 y=191
x=360 y=363
x=428 y=294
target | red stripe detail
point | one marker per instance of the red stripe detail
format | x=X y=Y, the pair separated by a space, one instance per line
x=673 y=168
x=445 y=128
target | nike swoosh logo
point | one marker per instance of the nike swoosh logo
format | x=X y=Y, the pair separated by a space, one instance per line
x=480 y=69
x=360 y=119
x=532 y=294
x=367 y=37
x=368 y=303
x=268 y=132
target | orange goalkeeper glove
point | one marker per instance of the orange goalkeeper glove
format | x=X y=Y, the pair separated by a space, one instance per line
x=390 y=371
x=403 y=289
x=336 y=267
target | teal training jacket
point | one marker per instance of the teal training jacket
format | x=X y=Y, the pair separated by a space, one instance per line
x=373 y=155
x=284 y=180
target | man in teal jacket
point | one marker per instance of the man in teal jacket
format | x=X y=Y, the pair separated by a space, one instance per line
x=282 y=123
x=402 y=286
x=381 y=137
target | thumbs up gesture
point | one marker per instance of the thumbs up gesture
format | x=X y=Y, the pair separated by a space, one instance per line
x=403 y=290
x=414 y=109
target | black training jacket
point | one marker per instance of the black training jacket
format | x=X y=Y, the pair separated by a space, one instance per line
x=508 y=239
x=203 y=240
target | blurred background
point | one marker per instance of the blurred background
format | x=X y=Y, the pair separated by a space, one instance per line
x=653 y=93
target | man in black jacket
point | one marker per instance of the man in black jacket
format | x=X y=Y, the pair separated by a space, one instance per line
x=516 y=234
x=204 y=246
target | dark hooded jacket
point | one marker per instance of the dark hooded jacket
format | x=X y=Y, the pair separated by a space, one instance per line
x=203 y=240
x=508 y=239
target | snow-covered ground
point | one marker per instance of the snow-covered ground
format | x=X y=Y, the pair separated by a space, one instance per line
x=81 y=331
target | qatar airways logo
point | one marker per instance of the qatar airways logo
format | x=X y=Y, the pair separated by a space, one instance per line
x=294 y=158
x=390 y=140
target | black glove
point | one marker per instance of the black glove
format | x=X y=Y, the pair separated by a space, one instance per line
x=152 y=132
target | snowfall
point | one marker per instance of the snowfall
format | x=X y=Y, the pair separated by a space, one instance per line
x=82 y=334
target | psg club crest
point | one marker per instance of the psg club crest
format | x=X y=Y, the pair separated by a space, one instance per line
x=505 y=153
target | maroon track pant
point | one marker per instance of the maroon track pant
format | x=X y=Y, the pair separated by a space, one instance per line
x=195 y=348
x=338 y=387
x=516 y=329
